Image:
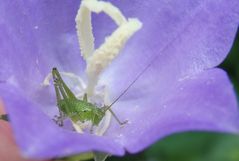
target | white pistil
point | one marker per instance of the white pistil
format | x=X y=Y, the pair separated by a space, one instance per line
x=108 y=51
x=97 y=60
x=84 y=26
x=107 y=8
x=84 y=31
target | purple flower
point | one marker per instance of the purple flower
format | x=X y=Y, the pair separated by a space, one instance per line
x=180 y=91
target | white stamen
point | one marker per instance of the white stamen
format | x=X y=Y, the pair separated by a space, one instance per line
x=97 y=60
x=108 y=51
x=106 y=122
x=84 y=26
x=84 y=31
x=101 y=129
x=46 y=81
x=107 y=8
x=77 y=127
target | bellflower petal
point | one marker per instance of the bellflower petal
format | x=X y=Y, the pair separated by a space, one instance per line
x=37 y=135
x=37 y=35
x=187 y=37
x=196 y=103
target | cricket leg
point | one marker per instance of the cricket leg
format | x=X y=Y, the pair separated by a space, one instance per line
x=62 y=84
x=59 y=119
x=59 y=88
x=85 y=98
x=92 y=125
x=117 y=119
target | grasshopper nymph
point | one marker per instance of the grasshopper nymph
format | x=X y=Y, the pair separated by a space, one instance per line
x=76 y=109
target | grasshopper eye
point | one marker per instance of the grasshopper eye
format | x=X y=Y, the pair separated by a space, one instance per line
x=56 y=80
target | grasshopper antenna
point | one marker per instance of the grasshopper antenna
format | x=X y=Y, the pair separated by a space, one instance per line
x=132 y=83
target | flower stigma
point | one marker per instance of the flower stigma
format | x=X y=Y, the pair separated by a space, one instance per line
x=97 y=60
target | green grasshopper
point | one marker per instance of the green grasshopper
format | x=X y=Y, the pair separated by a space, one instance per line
x=76 y=109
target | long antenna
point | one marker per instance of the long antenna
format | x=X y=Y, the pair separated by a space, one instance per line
x=132 y=83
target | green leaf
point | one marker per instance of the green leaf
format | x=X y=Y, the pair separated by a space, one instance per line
x=80 y=157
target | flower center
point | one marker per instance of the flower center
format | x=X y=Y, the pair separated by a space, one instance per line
x=97 y=60
x=100 y=98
